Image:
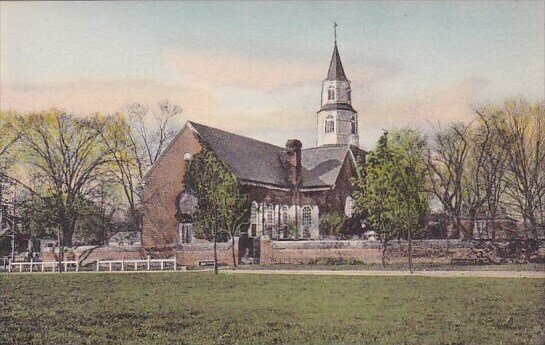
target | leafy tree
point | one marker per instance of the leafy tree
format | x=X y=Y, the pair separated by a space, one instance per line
x=222 y=209
x=64 y=163
x=391 y=188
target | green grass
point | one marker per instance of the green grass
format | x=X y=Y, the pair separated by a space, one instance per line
x=200 y=308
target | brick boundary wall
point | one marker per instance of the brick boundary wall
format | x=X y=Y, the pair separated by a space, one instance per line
x=186 y=254
x=368 y=252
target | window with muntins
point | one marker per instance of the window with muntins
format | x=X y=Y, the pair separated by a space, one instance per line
x=354 y=125
x=307 y=215
x=329 y=124
x=331 y=93
x=270 y=214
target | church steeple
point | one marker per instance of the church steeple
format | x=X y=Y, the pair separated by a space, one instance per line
x=336 y=70
x=337 y=120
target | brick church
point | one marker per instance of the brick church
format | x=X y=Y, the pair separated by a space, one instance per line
x=289 y=187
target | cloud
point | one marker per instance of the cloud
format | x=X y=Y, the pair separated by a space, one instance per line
x=228 y=70
x=106 y=96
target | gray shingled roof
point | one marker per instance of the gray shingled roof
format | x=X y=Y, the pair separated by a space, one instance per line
x=248 y=158
x=321 y=165
x=336 y=70
x=337 y=106
x=256 y=161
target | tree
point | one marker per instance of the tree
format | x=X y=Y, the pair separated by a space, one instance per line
x=408 y=151
x=136 y=142
x=524 y=127
x=374 y=194
x=222 y=209
x=446 y=161
x=483 y=186
x=65 y=162
x=391 y=190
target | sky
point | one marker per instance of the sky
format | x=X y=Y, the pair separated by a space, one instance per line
x=255 y=68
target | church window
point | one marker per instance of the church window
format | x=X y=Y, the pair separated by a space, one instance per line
x=349 y=94
x=307 y=216
x=354 y=125
x=253 y=213
x=329 y=124
x=349 y=207
x=284 y=215
x=331 y=93
x=270 y=214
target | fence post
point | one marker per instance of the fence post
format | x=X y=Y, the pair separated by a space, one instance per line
x=9 y=265
x=148 y=262
x=65 y=266
x=20 y=267
x=77 y=265
x=175 y=262
x=98 y=265
x=110 y=266
x=42 y=265
x=136 y=265
x=31 y=264
x=162 y=263
x=122 y=264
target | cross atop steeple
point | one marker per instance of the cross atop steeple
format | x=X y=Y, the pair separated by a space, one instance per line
x=335 y=31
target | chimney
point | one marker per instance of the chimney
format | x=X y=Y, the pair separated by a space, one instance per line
x=293 y=161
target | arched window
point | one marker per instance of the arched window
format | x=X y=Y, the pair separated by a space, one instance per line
x=307 y=216
x=349 y=94
x=253 y=213
x=284 y=215
x=349 y=207
x=270 y=214
x=331 y=93
x=354 y=125
x=329 y=124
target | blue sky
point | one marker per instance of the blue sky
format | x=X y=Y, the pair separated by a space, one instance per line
x=256 y=67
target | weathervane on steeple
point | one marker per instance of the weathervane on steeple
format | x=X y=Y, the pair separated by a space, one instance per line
x=335 y=31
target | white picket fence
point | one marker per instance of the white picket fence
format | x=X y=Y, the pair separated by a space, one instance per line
x=148 y=264
x=41 y=266
x=135 y=264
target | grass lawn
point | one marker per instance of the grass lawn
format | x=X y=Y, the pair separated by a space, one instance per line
x=200 y=308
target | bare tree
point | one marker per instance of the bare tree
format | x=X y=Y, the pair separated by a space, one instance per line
x=446 y=163
x=524 y=125
x=136 y=143
x=483 y=185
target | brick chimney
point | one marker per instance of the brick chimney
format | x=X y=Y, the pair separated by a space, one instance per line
x=293 y=161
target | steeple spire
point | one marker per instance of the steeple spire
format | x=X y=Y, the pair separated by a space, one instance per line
x=336 y=71
x=335 y=31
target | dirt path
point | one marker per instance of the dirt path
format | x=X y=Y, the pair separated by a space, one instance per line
x=474 y=274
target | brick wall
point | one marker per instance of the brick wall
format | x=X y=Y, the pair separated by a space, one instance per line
x=297 y=252
x=186 y=255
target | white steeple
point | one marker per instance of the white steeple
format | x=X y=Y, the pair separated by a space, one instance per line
x=337 y=120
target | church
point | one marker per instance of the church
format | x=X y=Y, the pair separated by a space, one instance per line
x=289 y=187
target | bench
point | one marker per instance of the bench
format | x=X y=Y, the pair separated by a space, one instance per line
x=464 y=261
x=206 y=263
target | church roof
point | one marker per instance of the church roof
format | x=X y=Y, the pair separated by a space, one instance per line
x=321 y=165
x=248 y=158
x=336 y=71
x=257 y=161
x=337 y=106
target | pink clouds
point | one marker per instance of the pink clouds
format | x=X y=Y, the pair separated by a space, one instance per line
x=107 y=96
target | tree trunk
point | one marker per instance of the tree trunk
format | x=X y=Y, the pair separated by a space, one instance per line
x=410 y=250
x=384 y=243
x=216 y=251
x=233 y=252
